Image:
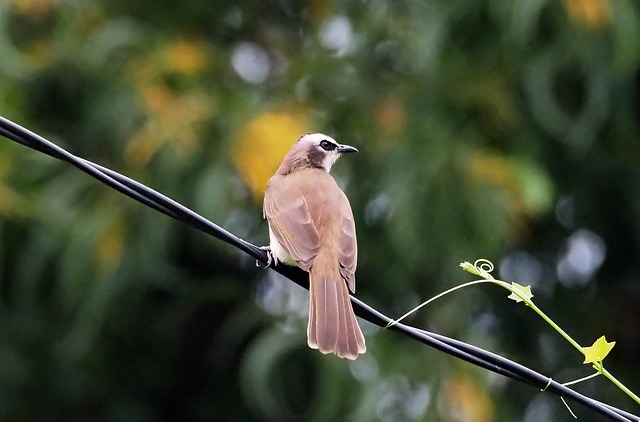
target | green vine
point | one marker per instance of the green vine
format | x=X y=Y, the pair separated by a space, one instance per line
x=593 y=354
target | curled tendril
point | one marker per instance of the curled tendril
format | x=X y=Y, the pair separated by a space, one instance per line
x=483 y=266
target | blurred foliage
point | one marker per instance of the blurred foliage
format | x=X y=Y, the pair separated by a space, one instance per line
x=499 y=129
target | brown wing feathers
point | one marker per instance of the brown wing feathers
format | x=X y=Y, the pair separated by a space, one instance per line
x=292 y=224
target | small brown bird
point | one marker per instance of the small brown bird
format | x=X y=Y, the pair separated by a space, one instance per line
x=311 y=225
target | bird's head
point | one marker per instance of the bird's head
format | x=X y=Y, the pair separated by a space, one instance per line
x=317 y=150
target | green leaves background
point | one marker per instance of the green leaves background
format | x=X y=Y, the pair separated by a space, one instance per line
x=507 y=130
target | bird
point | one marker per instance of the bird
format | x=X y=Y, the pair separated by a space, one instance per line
x=311 y=225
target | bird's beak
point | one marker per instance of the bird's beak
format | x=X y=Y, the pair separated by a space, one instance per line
x=346 y=148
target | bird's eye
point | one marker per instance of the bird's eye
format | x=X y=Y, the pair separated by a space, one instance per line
x=327 y=146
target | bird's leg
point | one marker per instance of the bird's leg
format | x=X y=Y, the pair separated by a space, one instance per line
x=270 y=259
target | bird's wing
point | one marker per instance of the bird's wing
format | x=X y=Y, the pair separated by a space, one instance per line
x=291 y=223
x=348 y=245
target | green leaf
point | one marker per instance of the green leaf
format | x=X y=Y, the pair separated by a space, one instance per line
x=598 y=351
x=523 y=292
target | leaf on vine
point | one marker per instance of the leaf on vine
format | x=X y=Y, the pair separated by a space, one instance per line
x=523 y=291
x=598 y=351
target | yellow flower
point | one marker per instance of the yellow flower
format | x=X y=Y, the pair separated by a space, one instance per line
x=592 y=13
x=464 y=399
x=263 y=143
x=184 y=57
x=110 y=246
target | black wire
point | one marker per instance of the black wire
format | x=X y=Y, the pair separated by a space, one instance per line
x=173 y=209
x=127 y=186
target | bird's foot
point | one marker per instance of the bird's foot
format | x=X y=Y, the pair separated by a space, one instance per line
x=270 y=259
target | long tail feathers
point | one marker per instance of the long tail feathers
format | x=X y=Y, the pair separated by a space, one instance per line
x=333 y=327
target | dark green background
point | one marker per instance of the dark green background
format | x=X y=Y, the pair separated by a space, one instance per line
x=505 y=130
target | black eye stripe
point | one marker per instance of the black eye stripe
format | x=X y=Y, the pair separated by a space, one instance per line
x=327 y=146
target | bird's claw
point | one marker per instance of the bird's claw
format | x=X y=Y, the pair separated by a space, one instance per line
x=270 y=259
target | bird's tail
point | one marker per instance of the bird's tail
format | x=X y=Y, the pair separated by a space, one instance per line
x=333 y=327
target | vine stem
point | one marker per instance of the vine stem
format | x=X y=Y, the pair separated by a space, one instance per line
x=483 y=268
x=600 y=368
x=588 y=377
x=438 y=296
x=544 y=316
